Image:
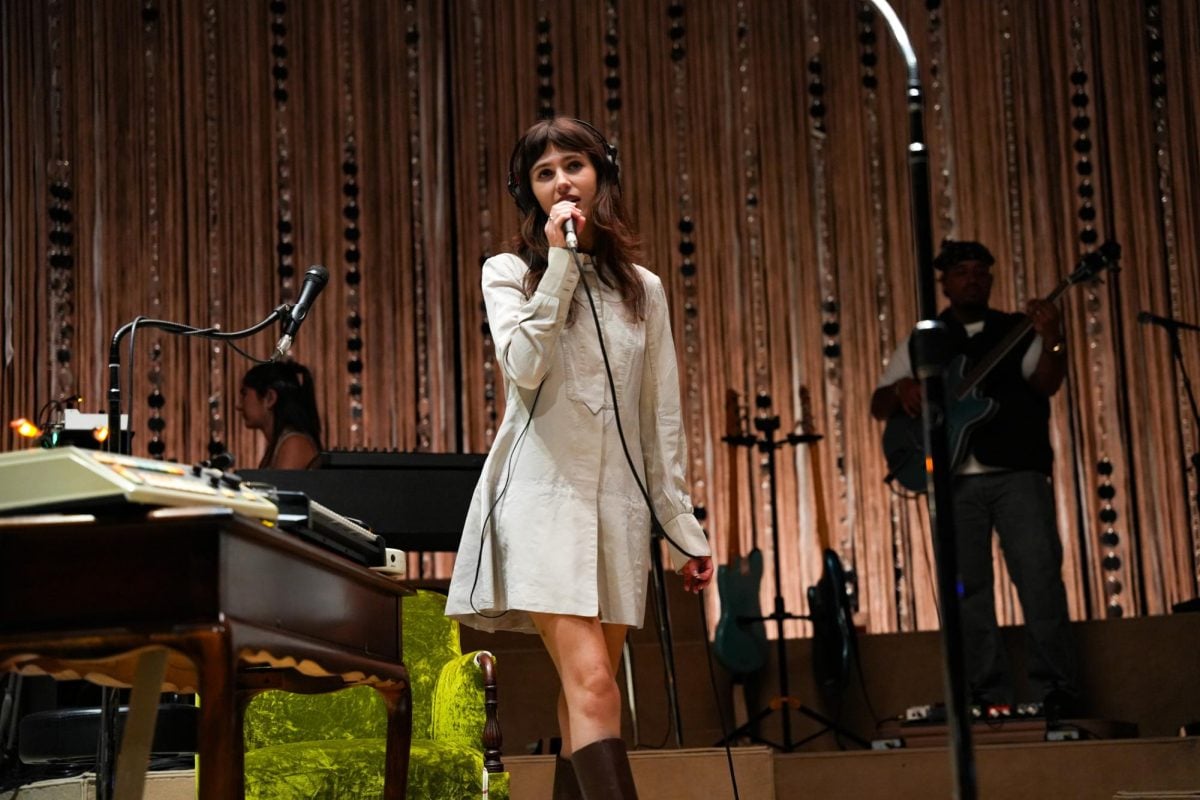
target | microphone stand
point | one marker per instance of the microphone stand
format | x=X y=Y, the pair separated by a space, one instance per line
x=1177 y=356
x=665 y=643
x=106 y=750
x=931 y=353
x=114 y=442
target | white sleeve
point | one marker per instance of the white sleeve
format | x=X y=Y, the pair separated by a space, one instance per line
x=898 y=366
x=526 y=330
x=663 y=438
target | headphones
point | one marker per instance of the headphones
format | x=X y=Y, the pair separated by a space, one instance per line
x=518 y=185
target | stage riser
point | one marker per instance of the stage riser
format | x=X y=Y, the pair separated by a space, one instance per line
x=667 y=774
x=1145 y=671
x=1074 y=770
x=1148 y=769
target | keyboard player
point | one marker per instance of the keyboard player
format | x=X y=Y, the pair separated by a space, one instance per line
x=278 y=399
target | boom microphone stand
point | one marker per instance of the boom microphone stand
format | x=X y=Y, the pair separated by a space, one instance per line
x=1173 y=327
x=114 y=441
x=664 y=633
x=930 y=355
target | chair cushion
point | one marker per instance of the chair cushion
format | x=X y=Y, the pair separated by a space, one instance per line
x=449 y=770
x=274 y=717
x=325 y=770
x=335 y=770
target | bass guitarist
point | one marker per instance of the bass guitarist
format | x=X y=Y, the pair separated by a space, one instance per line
x=1002 y=482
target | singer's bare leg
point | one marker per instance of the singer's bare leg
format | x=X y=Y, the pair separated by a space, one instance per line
x=585 y=654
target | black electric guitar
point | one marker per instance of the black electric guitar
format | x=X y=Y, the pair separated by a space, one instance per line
x=828 y=602
x=740 y=642
x=967 y=408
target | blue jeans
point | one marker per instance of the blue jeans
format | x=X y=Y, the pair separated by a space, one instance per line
x=1019 y=507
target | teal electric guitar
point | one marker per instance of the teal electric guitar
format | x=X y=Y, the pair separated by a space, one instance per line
x=904 y=437
x=740 y=643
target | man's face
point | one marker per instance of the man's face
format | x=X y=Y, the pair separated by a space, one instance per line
x=967 y=284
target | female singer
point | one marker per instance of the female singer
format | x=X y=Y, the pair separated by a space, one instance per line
x=557 y=540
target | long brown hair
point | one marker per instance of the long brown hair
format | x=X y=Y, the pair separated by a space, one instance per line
x=615 y=244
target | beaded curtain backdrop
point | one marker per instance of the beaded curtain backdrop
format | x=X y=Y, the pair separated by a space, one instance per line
x=191 y=169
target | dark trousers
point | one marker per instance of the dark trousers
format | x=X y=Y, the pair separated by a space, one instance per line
x=1019 y=507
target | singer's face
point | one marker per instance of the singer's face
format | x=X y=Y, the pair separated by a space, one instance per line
x=559 y=175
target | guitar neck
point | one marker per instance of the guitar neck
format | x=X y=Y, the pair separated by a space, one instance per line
x=1002 y=349
x=814 y=464
x=733 y=426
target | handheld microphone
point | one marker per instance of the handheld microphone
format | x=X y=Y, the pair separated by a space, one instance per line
x=314 y=281
x=1171 y=324
x=569 y=230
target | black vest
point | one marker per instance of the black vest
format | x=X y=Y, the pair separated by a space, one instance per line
x=1018 y=436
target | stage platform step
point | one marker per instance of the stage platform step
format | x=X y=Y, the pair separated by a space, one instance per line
x=1117 y=769
x=1080 y=770
x=687 y=772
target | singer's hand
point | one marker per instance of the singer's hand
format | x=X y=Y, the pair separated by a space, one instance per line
x=697 y=574
x=560 y=212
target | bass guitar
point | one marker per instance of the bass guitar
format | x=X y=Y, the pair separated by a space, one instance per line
x=967 y=408
x=828 y=601
x=740 y=642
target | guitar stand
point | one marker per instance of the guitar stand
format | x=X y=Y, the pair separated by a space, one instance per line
x=784 y=703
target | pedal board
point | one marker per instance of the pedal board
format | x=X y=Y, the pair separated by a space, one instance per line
x=903 y=732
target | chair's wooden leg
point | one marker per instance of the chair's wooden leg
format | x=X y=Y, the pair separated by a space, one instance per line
x=398 y=700
x=493 y=739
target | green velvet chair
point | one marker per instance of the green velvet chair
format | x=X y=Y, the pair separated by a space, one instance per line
x=331 y=746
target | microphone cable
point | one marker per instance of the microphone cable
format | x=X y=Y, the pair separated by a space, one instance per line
x=658 y=525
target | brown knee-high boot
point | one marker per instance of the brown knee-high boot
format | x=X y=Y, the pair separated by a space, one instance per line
x=603 y=771
x=566 y=785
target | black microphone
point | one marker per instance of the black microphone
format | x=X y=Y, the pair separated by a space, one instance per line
x=1146 y=318
x=314 y=281
x=569 y=230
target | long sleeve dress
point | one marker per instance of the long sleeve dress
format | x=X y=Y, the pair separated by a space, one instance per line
x=557 y=523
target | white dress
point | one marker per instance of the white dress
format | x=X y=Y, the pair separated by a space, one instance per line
x=557 y=523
